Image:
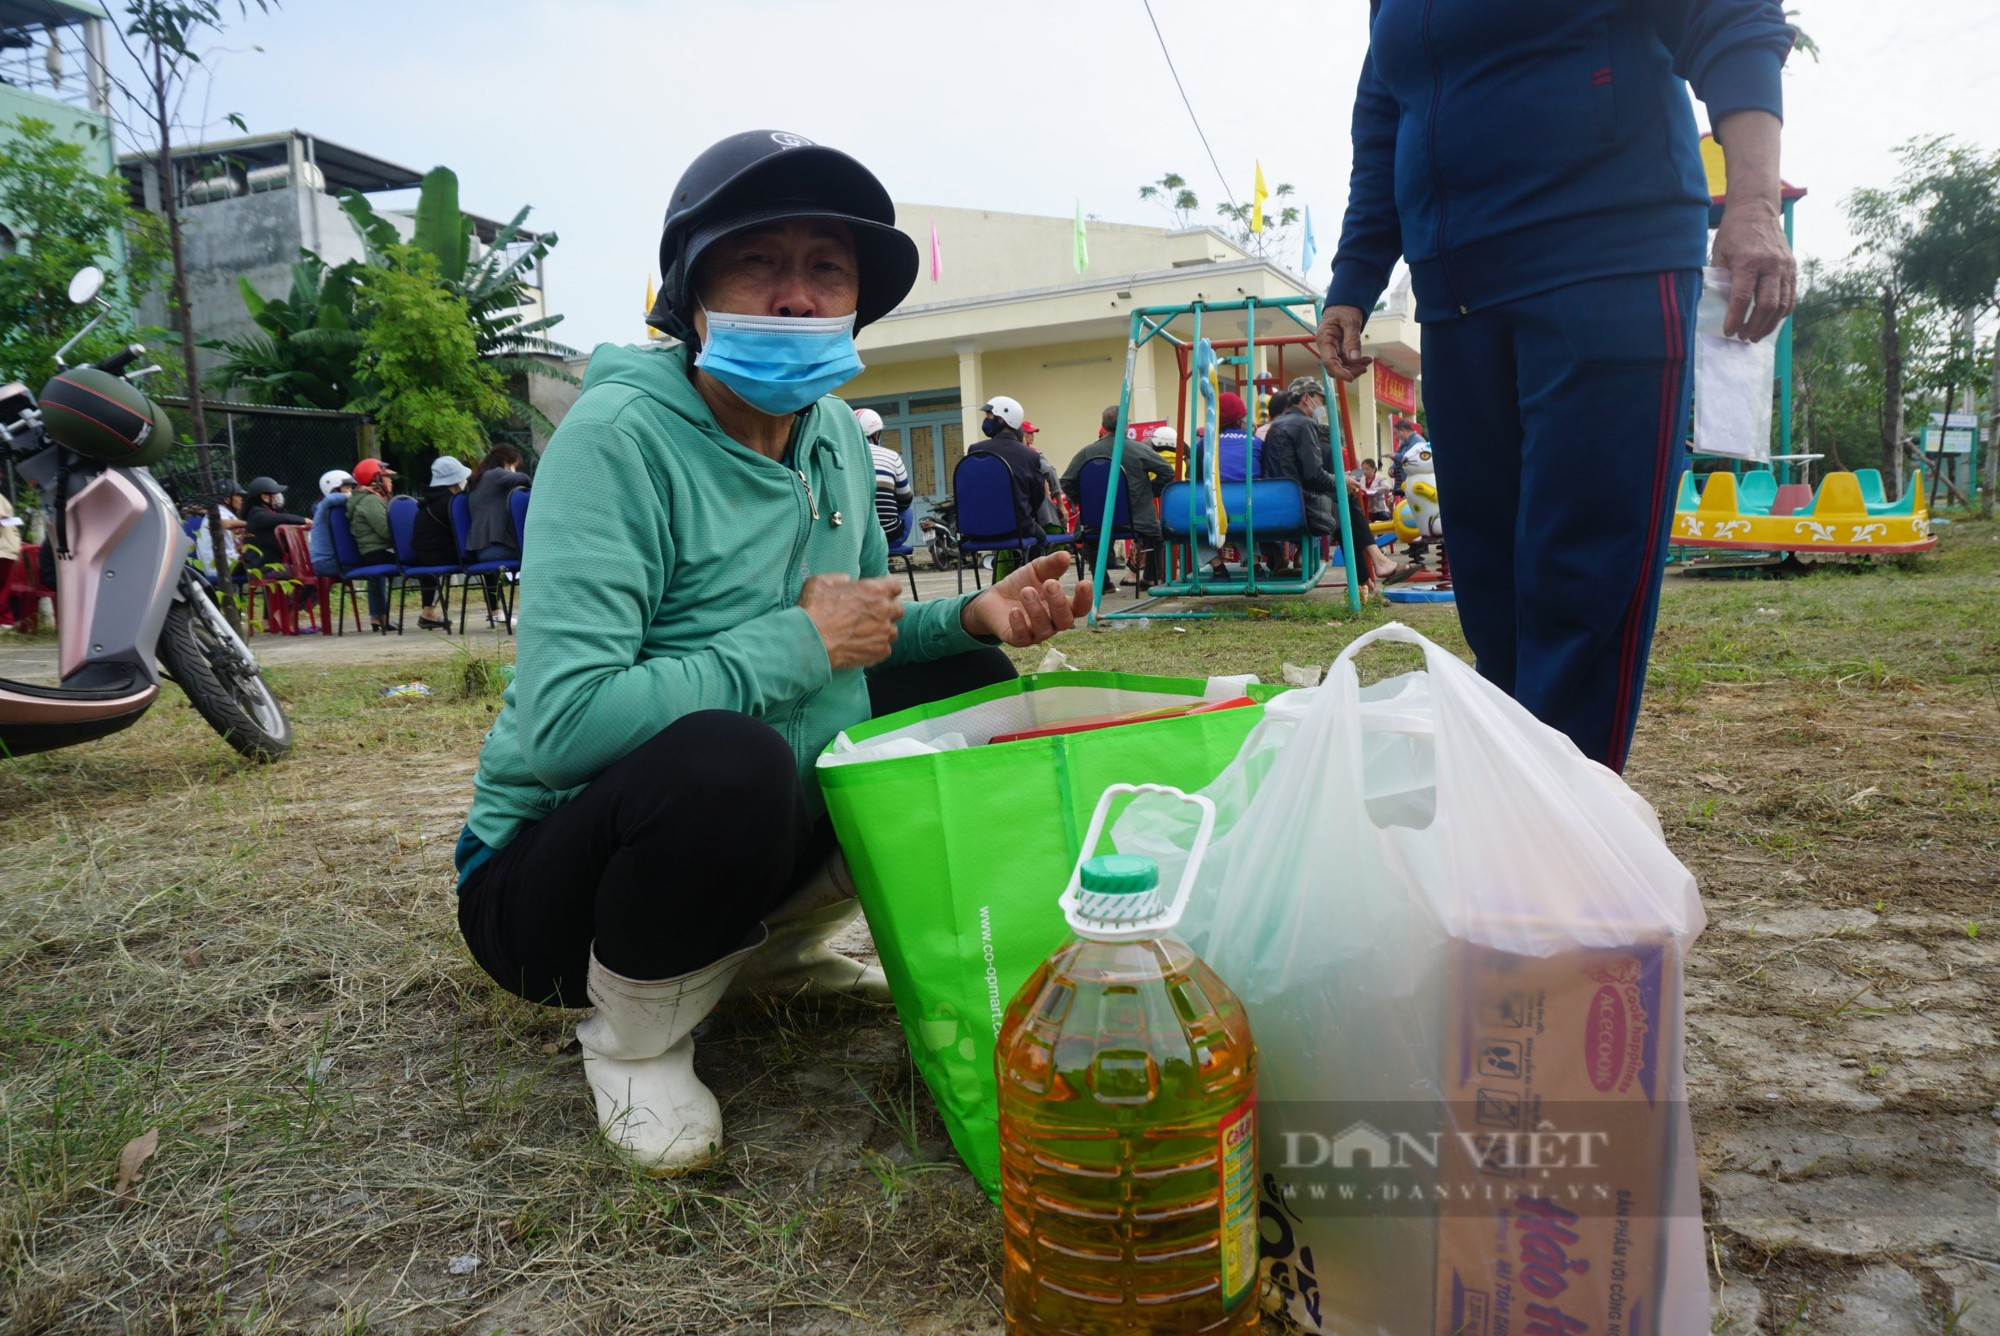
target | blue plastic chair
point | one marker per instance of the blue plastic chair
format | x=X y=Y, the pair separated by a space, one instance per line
x=1755 y=491
x=1690 y=497
x=1091 y=484
x=1872 y=494
x=987 y=521
x=461 y=532
x=403 y=531
x=517 y=511
x=1906 y=504
x=349 y=556
x=899 y=546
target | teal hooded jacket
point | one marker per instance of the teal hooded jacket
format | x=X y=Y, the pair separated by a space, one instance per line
x=661 y=573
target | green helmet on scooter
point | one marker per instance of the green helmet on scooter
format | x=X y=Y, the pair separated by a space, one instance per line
x=104 y=418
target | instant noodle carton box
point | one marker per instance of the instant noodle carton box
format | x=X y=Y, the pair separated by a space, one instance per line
x=1552 y=1202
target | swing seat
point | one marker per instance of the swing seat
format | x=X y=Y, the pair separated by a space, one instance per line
x=1279 y=506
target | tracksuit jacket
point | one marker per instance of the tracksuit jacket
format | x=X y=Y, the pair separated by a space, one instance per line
x=1506 y=149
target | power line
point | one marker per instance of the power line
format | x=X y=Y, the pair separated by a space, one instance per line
x=1227 y=193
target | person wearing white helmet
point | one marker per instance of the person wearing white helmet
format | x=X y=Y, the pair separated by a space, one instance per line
x=892 y=480
x=334 y=485
x=1002 y=429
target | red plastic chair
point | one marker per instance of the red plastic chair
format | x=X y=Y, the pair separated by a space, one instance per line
x=1791 y=496
x=312 y=594
x=273 y=583
x=24 y=591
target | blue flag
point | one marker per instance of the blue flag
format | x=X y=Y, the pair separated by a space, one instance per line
x=1309 y=249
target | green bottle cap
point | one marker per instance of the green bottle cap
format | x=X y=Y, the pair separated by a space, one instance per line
x=1120 y=874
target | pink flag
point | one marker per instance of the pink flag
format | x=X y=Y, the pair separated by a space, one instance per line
x=937 y=254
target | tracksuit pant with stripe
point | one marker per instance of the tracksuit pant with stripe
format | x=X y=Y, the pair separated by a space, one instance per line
x=1560 y=423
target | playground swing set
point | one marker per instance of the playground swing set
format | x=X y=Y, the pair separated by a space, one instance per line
x=1199 y=510
x=1726 y=517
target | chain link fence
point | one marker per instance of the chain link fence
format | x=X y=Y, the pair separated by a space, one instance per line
x=292 y=445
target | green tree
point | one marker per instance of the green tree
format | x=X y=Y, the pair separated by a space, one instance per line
x=495 y=287
x=309 y=349
x=64 y=214
x=1171 y=192
x=1836 y=367
x=1886 y=219
x=1930 y=239
x=1954 y=259
x=426 y=383
x=1275 y=233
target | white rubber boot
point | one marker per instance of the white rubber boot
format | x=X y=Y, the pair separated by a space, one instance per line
x=796 y=962
x=638 y=1055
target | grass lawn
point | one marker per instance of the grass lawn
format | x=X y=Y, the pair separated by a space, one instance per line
x=356 y=1131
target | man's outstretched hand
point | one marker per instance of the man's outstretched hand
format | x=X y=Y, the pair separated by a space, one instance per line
x=1337 y=343
x=1028 y=606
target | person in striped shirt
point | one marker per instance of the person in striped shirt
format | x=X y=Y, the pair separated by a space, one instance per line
x=892 y=481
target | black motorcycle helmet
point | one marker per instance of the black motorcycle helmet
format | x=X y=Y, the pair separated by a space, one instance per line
x=263 y=484
x=766 y=176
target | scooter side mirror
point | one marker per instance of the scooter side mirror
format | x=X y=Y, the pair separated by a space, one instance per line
x=83 y=288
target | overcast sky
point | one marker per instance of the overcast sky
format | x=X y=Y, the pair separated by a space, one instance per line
x=589 y=109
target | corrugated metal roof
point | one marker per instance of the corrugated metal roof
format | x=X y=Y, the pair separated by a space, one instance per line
x=344 y=168
x=38 y=13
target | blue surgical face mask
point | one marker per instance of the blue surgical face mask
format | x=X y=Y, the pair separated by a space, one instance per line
x=779 y=364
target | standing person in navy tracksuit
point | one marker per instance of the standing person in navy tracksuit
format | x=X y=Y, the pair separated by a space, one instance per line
x=1537 y=165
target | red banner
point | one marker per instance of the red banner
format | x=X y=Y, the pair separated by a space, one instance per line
x=1394 y=389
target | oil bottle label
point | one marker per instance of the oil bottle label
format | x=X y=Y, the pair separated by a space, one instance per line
x=1239 y=1201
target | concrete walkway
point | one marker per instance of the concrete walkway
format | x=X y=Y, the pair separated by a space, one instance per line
x=32 y=659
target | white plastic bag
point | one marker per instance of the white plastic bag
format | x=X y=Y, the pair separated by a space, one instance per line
x=1432 y=904
x=1732 y=381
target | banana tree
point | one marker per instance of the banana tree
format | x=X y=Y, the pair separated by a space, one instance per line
x=495 y=287
x=307 y=353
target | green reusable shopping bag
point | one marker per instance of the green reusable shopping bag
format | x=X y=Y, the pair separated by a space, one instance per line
x=959 y=855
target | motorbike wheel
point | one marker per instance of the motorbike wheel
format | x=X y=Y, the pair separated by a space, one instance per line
x=214 y=668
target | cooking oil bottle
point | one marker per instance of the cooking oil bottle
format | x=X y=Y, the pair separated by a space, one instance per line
x=1128 y=1135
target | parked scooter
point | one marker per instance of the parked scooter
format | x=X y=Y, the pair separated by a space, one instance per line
x=941 y=534
x=129 y=603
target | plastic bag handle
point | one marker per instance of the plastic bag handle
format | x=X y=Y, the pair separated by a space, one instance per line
x=1168 y=918
x=1387 y=631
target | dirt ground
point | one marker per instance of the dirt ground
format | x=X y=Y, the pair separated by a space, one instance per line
x=357 y=1132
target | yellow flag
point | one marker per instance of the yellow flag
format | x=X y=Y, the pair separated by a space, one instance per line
x=1257 y=198
x=651 y=333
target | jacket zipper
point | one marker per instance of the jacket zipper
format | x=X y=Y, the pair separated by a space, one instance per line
x=794 y=725
x=1437 y=177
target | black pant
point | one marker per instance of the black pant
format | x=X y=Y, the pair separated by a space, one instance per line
x=672 y=854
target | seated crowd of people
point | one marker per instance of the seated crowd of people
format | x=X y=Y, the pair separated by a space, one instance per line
x=251 y=515
x=1292 y=442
